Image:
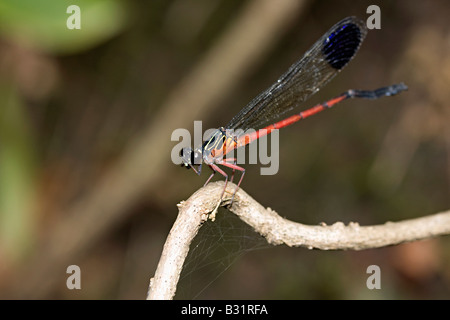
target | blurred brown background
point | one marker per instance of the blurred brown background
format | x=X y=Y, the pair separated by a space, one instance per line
x=85 y=123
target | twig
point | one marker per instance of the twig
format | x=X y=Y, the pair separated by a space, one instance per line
x=192 y=214
x=278 y=230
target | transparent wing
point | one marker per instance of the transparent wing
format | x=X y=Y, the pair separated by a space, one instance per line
x=330 y=54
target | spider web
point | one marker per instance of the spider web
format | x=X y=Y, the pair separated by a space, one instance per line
x=216 y=247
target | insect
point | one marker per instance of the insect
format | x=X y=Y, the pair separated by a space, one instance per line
x=326 y=58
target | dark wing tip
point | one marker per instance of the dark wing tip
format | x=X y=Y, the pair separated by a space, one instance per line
x=343 y=41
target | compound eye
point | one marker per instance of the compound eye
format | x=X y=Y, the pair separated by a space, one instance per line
x=184 y=152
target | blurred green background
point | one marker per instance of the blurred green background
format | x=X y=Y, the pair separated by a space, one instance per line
x=85 y=123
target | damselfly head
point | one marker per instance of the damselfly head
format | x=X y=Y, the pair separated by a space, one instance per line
x=191 y=159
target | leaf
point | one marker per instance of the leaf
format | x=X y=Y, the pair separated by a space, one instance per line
x=43 y=23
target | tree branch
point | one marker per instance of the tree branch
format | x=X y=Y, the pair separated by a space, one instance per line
x=277 y=230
